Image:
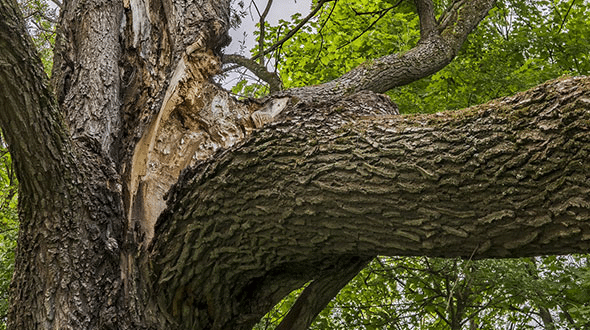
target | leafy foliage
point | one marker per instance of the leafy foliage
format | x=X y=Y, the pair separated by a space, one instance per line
x=8 y=228
x=520 y=44
x=430 y=293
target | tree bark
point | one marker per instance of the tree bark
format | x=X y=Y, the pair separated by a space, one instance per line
x=268 y=194
x=67 y=272
x=505 y=179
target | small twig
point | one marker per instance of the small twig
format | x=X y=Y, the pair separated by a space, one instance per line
x=294 y=30
x=566 y=15
x=262 y=23
x=288 y=35
x=278 y=53
x=372 y=13
x=322 y=35
x=42 y=29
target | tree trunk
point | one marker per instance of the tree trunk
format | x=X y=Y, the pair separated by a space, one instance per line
x=267 y=194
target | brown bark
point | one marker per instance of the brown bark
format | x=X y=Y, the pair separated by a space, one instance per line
x=319 y=293
x=66 y=272
x=505 y=179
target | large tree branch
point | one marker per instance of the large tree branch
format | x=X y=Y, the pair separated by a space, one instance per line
x=69 y=205
x=507 y=179
x=86 y=72
x=434 y=51
x=29 y=116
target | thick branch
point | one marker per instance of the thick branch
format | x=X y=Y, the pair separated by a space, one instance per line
x=430 y=55
x=69 y=209
x=506 y=179
x=29 y=117
x=87 y=73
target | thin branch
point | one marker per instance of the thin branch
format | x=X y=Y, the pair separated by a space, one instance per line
x=278 y=53
x=318 y=58
x=428 y=23
x=259 y=70
x=8 y=230
x=569 y=318
x=372 y=13
x=318 y=294
x=288 y=36
x=566 y=15
x=42 y=29
x=294 y=30
x=262 y=23
x=41 y=15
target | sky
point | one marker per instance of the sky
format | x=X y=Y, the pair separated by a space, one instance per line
x=281 y=9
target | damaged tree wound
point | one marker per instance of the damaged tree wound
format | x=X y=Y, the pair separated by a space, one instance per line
x=151 y=199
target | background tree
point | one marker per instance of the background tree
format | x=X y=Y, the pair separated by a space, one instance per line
x=520 y=44
x=331 y=182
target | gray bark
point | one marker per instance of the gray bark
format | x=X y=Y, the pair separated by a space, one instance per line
x=302 y=191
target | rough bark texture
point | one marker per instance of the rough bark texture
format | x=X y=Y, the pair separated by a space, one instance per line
x=507 y=179
x=66 y=273
x=260 y=209
x=318 y=294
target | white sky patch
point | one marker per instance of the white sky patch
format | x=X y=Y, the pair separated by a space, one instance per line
x=281 y=9
x=243 y=38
